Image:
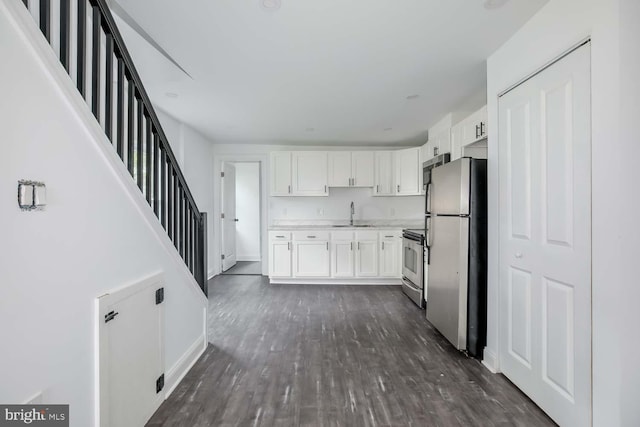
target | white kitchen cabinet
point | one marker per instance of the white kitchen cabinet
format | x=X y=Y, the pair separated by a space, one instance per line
x=351 y=169
x=280 y=254
x=457 y=134
x=442 y=142
x=309 y=173
x=362 y=168
x=408 y=172
x=390 y=254
x=342 y=258
x=384 y=178
x=367 y=254
x=280 y=173
x=475 y=127
x=311 y=254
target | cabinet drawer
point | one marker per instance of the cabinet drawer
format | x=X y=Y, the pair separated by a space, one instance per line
x=367 y=235
x=390 y=234
x=310 y=235
x=280 y=235
x=341 y=235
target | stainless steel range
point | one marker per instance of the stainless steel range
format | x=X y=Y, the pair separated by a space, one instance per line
x=413 y=265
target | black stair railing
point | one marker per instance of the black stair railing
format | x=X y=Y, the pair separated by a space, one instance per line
x=92 y=51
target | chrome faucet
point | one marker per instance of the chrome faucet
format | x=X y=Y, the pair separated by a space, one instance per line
x=353 y=211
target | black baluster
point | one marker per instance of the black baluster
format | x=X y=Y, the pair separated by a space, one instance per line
x=108 y=86
x=64 y=33
x=176 y=205
x=170 y=200
x=45 y=18
x=139 y=143
x=163 y=189
x=120 y=113
x=82 y=37
x=95 y=64
x=156 y=173
x=148 y=158
x=181 y=213
x=131 y=122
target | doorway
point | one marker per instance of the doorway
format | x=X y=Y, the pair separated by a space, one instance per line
x=241 y=223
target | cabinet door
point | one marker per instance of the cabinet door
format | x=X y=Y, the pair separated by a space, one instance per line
x=367 y=258
x=390 y=255
x=311 y=259
x=482 y=118
x=444 y=142
x=407 y=172
x=362 y=166
x=281 y=173
x=309 y=173
x=280 y=259
x=456 y=140
x=383 y=173
x=342 y=258
x=339 y=168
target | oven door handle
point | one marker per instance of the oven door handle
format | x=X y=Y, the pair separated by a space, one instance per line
x=410 y=284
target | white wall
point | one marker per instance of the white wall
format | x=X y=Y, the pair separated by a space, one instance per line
x=612 y=26
x=248 y=211
x=194 y=154
x=94 y=236
x=334 y=207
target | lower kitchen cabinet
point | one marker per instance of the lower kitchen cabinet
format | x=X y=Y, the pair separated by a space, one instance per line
x=390 y=255
x=311 y=259
x=280 y=258
x=342 y=258
x=367 y=254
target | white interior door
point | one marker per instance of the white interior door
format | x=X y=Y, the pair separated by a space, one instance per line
x=228 y=216
x=131 y=354
x=545 y=238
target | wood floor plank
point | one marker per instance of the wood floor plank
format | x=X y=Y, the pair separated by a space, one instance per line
x=288 y=355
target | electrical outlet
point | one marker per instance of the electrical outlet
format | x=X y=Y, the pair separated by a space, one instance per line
x=320 y=212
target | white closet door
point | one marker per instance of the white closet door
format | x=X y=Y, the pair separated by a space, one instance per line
x=545 y=238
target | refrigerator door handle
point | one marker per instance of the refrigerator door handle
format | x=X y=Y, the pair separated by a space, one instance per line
x=428 y=196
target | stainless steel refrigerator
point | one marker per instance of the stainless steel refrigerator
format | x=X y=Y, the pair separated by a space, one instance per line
x=456 y=237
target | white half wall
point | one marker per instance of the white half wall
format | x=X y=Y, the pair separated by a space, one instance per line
x=248 y=211
x=612 y=26
x=96 y=234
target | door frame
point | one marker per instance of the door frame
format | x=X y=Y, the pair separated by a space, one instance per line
x=494 y=363
x=263 y=161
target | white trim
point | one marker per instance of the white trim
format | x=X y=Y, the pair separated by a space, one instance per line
x=330 y=281
x=178 y=371
x=47 y=58
x=249 y=258
x=490 y=360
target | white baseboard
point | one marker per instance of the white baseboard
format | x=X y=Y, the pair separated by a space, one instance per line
x=330 y=281
x=490 y=360
x=184 y=364
x=211 y=274
x=248 y=257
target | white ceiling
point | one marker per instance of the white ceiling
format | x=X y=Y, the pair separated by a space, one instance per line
x=341 y=68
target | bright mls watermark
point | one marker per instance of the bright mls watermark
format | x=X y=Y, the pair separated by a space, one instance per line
x=34 y=415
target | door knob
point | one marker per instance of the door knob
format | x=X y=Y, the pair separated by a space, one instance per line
x=518 y=255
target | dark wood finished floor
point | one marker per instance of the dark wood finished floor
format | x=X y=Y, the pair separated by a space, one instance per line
x=288 y=355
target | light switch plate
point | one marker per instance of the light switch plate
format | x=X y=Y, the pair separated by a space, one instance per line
x=32 y=195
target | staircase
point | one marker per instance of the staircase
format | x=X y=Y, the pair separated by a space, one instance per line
x=84 y=35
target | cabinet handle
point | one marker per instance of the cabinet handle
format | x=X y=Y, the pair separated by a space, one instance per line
x=482 y=131
x=389 y=237
x=289 y=189
x=311 y=237
x=351 y=246
x=435 y=151
x=377 y=188
x=383 y=246
x=327 y=245
x=477 y=131
x=358 y=245
x=280 y=237
x=288 y=246
x=353 y=182
x=398 y=188
x=325 y=188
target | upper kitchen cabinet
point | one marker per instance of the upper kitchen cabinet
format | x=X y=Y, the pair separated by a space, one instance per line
x=383 y=174
x=309 y=173
x=475 y=127
x=281 y=173
x=351 y=169
x=408 y=171
x=441 y=143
